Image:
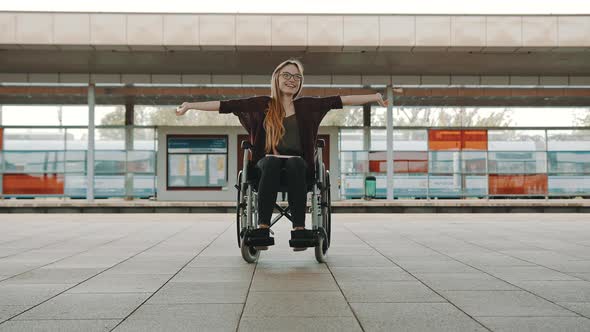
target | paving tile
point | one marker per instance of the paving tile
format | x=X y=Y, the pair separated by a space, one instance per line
x=7 y=311
x=359 y=261
x=201 y=292
x=559 y=291
x=48 y=275
x=215 y=274
x=293 y=282
x=582 y=308
x=183 y=317
x=388 y=291
x=503 y=303
x=299 y=324
x=24 y=294
x=218 y=261
x=522 y=273
x=415 y=266
x=349 y=274
x=463 y=281
x=536 y=324
x=294 y=304
x=292 y=267
x=87 y=325
x=413 y=317
x=121 y=283
x=86 y=306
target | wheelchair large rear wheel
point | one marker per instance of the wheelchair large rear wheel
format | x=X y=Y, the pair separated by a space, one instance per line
x=239 y=210
x=321 y=249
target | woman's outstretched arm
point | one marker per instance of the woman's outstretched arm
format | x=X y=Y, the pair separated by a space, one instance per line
x=202 y=106
x=363 y=99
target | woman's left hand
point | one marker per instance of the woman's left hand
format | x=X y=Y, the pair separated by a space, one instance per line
x=380 y=101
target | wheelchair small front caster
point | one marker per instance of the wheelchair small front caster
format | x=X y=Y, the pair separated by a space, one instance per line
x=249 y=253
x=321 y=248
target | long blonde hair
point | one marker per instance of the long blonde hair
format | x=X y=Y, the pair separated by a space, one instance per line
x=273 y=122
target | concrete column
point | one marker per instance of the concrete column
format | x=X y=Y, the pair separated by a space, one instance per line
x=90 y=156
x=389 y=142
x=128 y=147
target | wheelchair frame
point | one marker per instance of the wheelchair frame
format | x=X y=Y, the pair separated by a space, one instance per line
x=247 y=207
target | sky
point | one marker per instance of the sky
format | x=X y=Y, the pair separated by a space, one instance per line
x=309 y=6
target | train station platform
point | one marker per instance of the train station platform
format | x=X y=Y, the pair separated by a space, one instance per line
x=409 y=272
x=347 y=206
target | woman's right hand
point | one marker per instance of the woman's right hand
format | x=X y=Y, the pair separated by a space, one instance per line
x=180 y=110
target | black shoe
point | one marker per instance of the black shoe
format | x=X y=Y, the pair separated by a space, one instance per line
x=260 y=238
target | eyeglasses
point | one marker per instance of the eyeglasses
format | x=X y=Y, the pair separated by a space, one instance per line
x=287 y=76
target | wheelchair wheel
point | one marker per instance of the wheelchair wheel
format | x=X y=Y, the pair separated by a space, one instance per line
x=321 y=249
x=249 y=254
x=239 y=210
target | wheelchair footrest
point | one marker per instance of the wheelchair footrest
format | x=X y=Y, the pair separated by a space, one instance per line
x=303 y=239
x=259 y=237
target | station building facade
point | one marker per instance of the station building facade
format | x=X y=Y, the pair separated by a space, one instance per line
x=492 y=106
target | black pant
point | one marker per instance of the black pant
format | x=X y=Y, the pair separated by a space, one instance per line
x=268 y=187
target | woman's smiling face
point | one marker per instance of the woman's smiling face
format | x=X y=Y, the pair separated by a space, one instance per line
x=289 y=79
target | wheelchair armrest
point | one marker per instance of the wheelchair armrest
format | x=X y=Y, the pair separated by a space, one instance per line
x=320 y=143
x=246 y=145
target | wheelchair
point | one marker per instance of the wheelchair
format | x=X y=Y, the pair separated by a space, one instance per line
x=247 y=206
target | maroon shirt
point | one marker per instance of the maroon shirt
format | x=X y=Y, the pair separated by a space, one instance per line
x=309 y=112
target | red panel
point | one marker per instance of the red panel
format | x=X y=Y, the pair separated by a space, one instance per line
x=38 y=184
x=1 y=138
x=474 y=140
x=522 y=184
x=444 y=139
x=404 y=162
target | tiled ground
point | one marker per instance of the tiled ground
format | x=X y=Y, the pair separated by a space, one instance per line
x=386 y=272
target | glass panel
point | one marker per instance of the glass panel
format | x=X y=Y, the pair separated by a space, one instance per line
x=568 y=140
x=197 y=176
x=378 y=162
x=350 y=116
x=473 y=162
x=75 y=162
x=109 y=115
x=517 y=162
x=569 y=185
x=31 y=115
x=76 y=139
x=444 y=162
x=109 y=162
x=410 y=140
x=144 y=185
x=378 y=140
x=109 y=139
x=516 y=140
x=520 y=184
x=164 y=115
x=109 y=186
x=445 y=185
x=351 y=139
x=76 y=185
x=475 y=185
x=546 y=116
x=33 y=184
x=141 y=161
x=177 y=170
x=487 y=117
x=144 y=139
x=354 y=162
x=444 y=139
x=569 y=162
x=353 y=186
x=34 y=162
x=74 y=115
x=427 y=117
x=410 y=185
x=474 y=140
x=34 y=139
x=216 y=170
x=410 y=162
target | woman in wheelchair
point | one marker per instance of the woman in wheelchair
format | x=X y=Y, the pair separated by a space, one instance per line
x=283 y=131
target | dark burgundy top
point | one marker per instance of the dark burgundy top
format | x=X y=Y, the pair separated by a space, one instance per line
x=309 y=112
